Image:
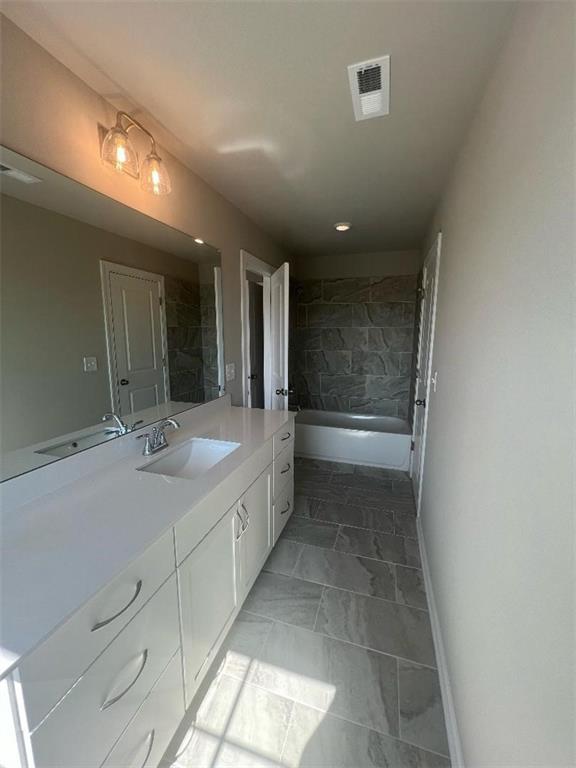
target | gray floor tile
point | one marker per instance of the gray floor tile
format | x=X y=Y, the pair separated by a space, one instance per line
x=410 y=587
x=243 y=644
x=312 y=532
x=319 y=740
x=304 y=506
x=382 y=546
x=378 y=624
x=355 y=480
x=314 y=490
x=361 y=517
x=238 y=724
x=312 y=475
x=421 y=713
x=405 y=525
x=336 y=569
x=293 y=601
x=283 y=557
x=366 y=497
x=348 y=681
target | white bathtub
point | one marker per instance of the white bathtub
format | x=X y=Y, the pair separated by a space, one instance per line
x=377 y=441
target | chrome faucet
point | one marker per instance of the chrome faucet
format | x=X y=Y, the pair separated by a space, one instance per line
x=121 y=427
x=156 y=440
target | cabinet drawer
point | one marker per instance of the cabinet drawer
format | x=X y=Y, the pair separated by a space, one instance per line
x=50 y=671
x=145 y=740
x=81 y=730
x=283 y=437
x=284 y=468
x=283 y=508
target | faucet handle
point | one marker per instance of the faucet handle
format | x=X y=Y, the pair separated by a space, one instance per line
x=147 y=451
x=169 y=423
x=133 y=427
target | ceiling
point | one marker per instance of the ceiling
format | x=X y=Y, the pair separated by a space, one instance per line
x=254 y=97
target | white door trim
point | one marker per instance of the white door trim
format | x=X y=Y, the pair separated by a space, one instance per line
x=249 y=263
x=106 y=268
x=437 y=247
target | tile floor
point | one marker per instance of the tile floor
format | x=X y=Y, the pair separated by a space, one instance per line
x=331 y=663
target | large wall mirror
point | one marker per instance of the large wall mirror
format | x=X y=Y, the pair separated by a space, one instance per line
x=103 y=310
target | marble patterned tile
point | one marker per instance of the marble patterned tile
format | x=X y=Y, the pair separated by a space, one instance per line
x=304 y=506
x=394 y=339
x=307 y=531
x=330 y=361
x=331 y=675
x=316 y=490
x=383 y=499
x=405 y=525
x=308 y=338
x=377 y=624
x=360 y=517
x=375 y=406
x=346 y=290
x=344 y=338
x=336 y=569
x=345 y=385
x=238 y=718
x=393 y=288
x=243 y=644
x=390 y=386
x=410 y=588
x=421 y=713
x=381 y=546
x=387 y=314
x=283 y=557
x=363 y=482
x=312 y=475
x=385 y=363
x=319 y=740
x=285 y=599
x=333 y=316
x=308 y=291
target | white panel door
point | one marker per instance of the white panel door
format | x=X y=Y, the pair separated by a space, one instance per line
x=425 y=343
x=136 y=318
x=279 y=299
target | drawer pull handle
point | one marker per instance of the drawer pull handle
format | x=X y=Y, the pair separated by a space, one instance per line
x=112 y=701
x=101 y=624
x=247 y=515
x=287 y=436
x=286 y=469
x=242 y=529
x=150 y=739
x=283 y=511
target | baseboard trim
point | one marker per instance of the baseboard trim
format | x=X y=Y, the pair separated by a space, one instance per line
x=454 y=743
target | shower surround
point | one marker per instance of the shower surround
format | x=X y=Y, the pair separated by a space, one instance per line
x=352 y=342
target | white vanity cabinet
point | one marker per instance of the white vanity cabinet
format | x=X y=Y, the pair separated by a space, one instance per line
x=255 y=536
x=207 y=581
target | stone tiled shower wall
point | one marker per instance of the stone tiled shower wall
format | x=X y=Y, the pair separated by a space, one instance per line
x=192 y=348
x=352 y=344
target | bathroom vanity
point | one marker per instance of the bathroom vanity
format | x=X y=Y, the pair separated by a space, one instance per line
x=121 y=576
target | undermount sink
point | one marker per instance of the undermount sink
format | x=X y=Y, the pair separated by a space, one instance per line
x=192 y=459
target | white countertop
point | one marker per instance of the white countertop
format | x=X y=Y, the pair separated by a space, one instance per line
x=61 y=549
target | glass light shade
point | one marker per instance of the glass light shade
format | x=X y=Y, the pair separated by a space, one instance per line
x=154 y=177
x=117 y=151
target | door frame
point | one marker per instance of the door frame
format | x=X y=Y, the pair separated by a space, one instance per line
x=249 y=263
x=106 y=269
x=437 y=248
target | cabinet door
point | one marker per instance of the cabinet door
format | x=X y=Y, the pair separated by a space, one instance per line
x=256 y=540
x=207 y=579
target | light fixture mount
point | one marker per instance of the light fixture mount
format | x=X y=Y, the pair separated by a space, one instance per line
x=118 y=151
x=342 y=226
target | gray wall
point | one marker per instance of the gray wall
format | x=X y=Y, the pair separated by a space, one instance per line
x=52 y=316
x=498 y=498
x=352 y=342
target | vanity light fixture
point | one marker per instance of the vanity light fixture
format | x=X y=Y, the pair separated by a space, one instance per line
x=342 y=226
x=118 y=151
x=199 y=241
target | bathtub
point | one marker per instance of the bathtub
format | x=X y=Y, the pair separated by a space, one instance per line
x=377 y=441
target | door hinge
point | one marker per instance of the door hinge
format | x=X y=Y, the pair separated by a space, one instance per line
x=412 y=445
x=161 y=301
x=421 y=292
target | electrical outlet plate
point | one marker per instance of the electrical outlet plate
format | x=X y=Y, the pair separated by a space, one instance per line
x=90 y=364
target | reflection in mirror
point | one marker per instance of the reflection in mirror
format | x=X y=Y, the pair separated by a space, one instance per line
x=105 y=312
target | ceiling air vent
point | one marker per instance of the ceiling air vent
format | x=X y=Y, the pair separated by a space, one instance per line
x=370 y=86
x=14 y=173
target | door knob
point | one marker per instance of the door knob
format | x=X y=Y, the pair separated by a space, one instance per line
x=123 y=382
x=421 y=402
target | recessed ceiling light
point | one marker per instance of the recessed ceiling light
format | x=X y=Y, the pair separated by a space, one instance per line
x=199 y=241
x=342 y=226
